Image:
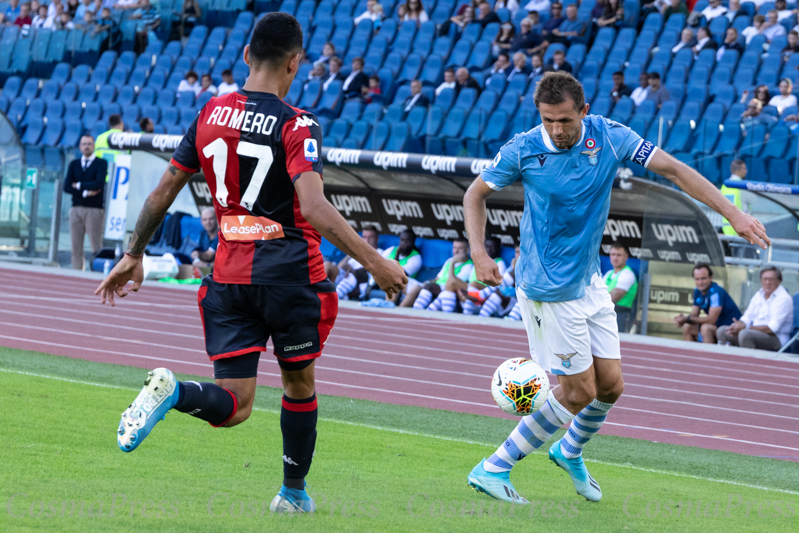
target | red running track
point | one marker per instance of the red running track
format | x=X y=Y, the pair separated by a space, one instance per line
x=679 y=396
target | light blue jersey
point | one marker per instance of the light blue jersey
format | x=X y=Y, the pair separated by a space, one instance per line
x=566 y=202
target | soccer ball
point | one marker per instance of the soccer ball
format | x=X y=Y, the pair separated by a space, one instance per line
x=520 y=386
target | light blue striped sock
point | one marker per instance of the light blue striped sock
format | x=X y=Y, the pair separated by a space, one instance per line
x=423 y=300
x=531 y=433
x=448 y=300
x=516 y=312
x=468 y=307
x=491 y=305
x=346 y=286
x=583 y=427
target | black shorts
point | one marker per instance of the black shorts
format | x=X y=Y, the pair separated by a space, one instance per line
x=240 y=319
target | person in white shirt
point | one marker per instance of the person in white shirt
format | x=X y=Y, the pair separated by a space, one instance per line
x=772 y=28
x=732 y=11
x=449 y=81
x=686 y=40
x=767 y=322
x=328 y=51
x=715 y=9
x=190 y=83
x=758 y=23
x=704 y=41
x=785 y=98
x=782 y=10
x=40 y=18
x=228 y=85
x=335 y=72
x=207 y=85
x=510 y=5
x=372 y=12
x=541 y=6
x=640 y=93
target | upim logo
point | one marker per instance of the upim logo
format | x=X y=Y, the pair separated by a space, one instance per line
x=349 y=204
x=660 y=296
x=390 y=159
x=166 y=142
x=504 y=217
x=124 y=140
x=448 y=213
x=438 y=163
x=403 y=208
x=201 y=190
x=622 y=228
x=342 y=155
x=673 y=233
x=479 y=164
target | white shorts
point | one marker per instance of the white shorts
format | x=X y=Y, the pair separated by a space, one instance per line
x=565 y=336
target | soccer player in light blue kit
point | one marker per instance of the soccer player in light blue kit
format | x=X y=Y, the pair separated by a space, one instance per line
x=567 y=166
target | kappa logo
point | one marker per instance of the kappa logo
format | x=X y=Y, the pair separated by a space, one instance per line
x=304 y=122
x=289 y=461
x=541 y=160
x=297 y=347
x=566 y=358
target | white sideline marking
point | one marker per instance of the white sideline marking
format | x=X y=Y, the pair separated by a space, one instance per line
x=438 y=437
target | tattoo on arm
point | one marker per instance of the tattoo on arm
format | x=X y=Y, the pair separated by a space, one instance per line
x=343 y=245
x=173 y=170
x=150 y=218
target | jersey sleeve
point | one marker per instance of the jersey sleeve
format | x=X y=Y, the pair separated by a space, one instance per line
x=302 y=142
x=628 y=145
x=505 y=169
x=626 y=280
x=185 y=156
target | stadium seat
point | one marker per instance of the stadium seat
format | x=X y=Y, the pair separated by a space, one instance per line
x=623 y=110
x=398 y=137
x=55 y=109
x=53 y=132
x=465 y=99
x=379 y=136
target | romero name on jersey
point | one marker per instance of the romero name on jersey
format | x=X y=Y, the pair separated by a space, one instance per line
x=251 y=146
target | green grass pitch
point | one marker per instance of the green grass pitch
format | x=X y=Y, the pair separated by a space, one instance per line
x=378 y=467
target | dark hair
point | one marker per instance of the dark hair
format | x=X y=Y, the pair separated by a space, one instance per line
x=619 y=246
x=276 y=37
x=359 y=59
x=449 y=69
x=374 y=77
x=559 y=52
x=504 y=54
x=89 y=135
x=191 y=74
x=337 y=59
x=737 y=164
x=618 y=73
x=700 y=266
x=771 y=268
x=368 y=227
x=555 y=87
x=495 y=240
x=207 y=76
x=227 y=72
x=114 y=120
x=461 y=239
x=653 y=75
x=143 y=122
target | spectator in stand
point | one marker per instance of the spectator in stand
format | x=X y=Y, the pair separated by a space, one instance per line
x=474 y=4
x=208 y=241
x=146 y=125
x=335 y=73
x=190 y=83
x=88 y=23
x=84 y=6
x=409 y=258
x=559 y=63
x=415 y=99
x=640 y=93
x=440 y=294
x=510 y=5
x=535 y=20
x=328 y=51
x=528 y=41
x=519 y=66
x=85 y=181
x=415 y=11
x=538 y=6
x=228 y=85
x=730 y=43
x=757 y=27
x=785 y=98
x=106 y=25
x=612 y=14
x=464 y=79
x=316 y=73
x=24 y=18
x=687 y=40
x=65 y=22
x=793 y=45
x=190 y=14
x=569 y=29
x=622 y=286
x=555 y=20
x=355 y=80
x=675 y=6
x=619 y=89
x=767 y=322
x=733 y=10
x=772 y=28
x=40 y=18
x=71 y=7
x=449 y=81
x=720 y=309
x=485 y=15
x=502 y=42
x=371 y=13
x=704 y=41
x=761 y=93
x=207 y=85
x=372 y=90
x=12 y=11
x=501 y=66
x=126 y=4
x=3 y=20
x=537 y=67
x=458 y=22
x=598 y=9
x=782 y=11
x=656 y=92
x=350 y=276
x=752 y=116
x=150 y=21
x=713 y=10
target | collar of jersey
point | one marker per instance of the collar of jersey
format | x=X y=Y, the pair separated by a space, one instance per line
x=551 y=146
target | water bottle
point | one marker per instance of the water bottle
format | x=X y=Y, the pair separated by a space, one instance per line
x=117 y=254
x=106 y=267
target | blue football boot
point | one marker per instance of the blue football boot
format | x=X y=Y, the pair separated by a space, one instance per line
x=496 y=485
x=586 y=486
x=159 y=395
x=292 y=501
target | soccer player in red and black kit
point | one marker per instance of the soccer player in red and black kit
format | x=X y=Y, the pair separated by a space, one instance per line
x=261 y=158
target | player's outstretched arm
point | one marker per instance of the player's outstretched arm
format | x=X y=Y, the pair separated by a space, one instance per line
x=152 y=214
x=474 y=206
x=315 y=208
x=690 y=181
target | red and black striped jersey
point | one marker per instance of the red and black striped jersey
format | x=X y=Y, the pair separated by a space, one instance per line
x=251 y=147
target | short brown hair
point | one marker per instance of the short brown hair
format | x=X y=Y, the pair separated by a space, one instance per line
x=771 y=268
x=555 y=87
x=700 y=266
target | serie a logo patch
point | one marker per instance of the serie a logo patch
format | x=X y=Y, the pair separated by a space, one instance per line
x=311 y=150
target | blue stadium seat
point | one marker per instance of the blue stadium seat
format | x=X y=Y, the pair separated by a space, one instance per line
x=778 y=141
x=72 y=133
x=394 y=113
x=398 y=138
x=412 y=68
x=169 y=115
x=126 y=95
x=603 y=105
x=60 y=74
x=465 y=99
x=166 y=98
x=146 y=96
x=433 y=71
x=106 y=94
x=152 y=112
x=471 y=33
x=53 y=132
x=87 y=93
x=331 y=101
x=623 y=110
x=417 y=120
x=460 y=53
x=380 y=133
x=708 y=166
x=338 y=132
x=185 y=99
x=55 y=109
x=487 y=101
x=781 y=170
x=33 y=131
x=130 y=114
x=726 y=95
x=50 y=90
x=311 y=94
x=359 y=133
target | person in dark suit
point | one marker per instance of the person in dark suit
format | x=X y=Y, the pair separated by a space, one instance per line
x=559 y=63
x=537 y=66
x=464 y=79
x=730 y=43
x=335 y=72
x=520 y=67
x=85 y=181
x=415 y=99
x=704 y=41
x=356 y=79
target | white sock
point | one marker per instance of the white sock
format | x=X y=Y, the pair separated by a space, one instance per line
x=423 y=300
x=448 y=301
